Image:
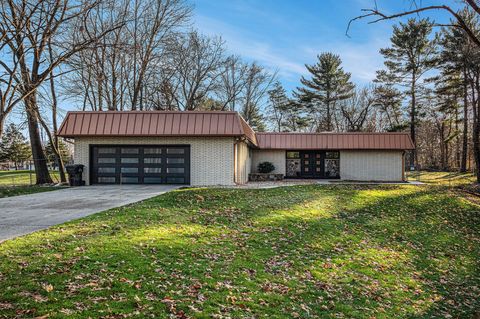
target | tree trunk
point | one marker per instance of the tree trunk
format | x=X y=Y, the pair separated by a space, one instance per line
x=476 y=129
x=39 y=158
x=2 y=124
x=463 y=162
x=413 y=110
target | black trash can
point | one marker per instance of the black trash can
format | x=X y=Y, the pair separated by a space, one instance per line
x=75 y=174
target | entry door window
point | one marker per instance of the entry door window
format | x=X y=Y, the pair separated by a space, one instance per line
x=293 y=164
x=332 y=164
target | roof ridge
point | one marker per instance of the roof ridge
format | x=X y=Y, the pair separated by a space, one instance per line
x=331 y=133
x=154 y=112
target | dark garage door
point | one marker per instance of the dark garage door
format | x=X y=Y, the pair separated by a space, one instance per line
x=148 y=164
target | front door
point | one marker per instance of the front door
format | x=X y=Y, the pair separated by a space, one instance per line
x=312 y=164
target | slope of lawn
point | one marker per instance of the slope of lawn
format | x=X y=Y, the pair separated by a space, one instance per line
x=294 y=252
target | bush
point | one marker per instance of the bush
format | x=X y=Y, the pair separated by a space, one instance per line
x=266 y=167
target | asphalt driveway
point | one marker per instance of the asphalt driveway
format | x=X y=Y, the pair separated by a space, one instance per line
x=20 y=215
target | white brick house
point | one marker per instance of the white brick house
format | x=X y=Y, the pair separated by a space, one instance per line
x=219 y=148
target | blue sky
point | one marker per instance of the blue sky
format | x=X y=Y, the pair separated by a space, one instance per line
x=283 y=35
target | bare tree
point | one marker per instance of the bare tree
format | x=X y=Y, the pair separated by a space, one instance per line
x=258 y=82
x=459 y=22
x=356 y=111
x=198 y=61
x=232 y=83
x=27 y=27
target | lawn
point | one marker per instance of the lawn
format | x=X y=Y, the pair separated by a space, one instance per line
x=22 y=177
x=311 y=251
x=14 y=183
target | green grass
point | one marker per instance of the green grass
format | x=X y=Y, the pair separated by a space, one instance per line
x=22 y=177
x=442 y=178
x=310 y=251
x=14 y=183
x=9 y=191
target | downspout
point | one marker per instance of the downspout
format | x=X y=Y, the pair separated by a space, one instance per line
x=235 y=143
x=403 y=166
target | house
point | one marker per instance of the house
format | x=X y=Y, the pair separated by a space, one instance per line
x=220 y=148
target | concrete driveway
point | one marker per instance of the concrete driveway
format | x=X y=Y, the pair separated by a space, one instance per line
x=20 y=215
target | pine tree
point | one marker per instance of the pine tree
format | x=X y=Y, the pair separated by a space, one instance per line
x=286 y=114
x=329 y=84
x=456 y=58
x=13 y=146
x=411 y=55
x=253 y=117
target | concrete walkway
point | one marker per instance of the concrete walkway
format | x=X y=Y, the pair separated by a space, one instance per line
x=20 y=215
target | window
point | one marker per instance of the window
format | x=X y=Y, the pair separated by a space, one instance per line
x=129 y=170
x=293 y=154
x=129 y=160
x=129 y=150
x=106 y=160
x=106 y=170
x=152 y=151
x=106 y=151
x=130 y=180
x=332 y=155
x=175 y=151
x=175 y=160
x=150 y=170
x=175 y=180
x=106 y=179
x=152 y=160
x=175 y=170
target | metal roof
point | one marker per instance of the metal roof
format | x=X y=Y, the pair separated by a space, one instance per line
x=216 y=123
x=155 y=123
x=335 y=141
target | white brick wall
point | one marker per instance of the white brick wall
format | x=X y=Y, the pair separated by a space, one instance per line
x=211 y=157
x=276 y=157
x=371 y=165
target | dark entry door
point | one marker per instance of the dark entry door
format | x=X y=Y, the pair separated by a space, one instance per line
x=312 y=164
x=148 y=164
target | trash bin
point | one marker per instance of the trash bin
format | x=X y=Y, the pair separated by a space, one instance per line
x=75 y=174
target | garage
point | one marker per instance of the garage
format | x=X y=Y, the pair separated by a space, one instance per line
x=134 y=164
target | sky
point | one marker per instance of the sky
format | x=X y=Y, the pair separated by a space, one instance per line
x=284 y=35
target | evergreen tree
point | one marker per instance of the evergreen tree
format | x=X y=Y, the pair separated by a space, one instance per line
x=411 y=55
x=13 y=146
x=329 y=84
x=253 y=117
x=286 y=114
x=457 y=58
x=388 y=101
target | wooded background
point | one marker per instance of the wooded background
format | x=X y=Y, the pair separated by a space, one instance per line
x=147 y=55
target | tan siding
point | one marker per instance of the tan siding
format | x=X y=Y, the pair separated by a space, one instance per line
x=211 y=157
x=276 y=157
x=371 y=165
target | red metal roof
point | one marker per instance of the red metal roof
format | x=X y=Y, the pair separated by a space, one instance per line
x=155 y=123
x=335 y=141
x=214 y=123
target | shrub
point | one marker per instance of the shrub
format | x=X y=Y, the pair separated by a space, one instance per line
x=266 y=167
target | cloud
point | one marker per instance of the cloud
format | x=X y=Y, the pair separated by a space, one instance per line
x=360 y=57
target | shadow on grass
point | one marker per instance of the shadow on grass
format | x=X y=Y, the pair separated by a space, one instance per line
x=315 y=251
